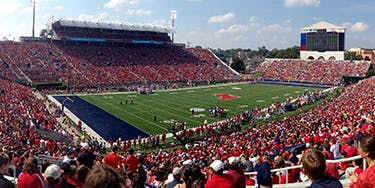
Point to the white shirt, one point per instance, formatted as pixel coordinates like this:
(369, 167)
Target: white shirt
(335, 149)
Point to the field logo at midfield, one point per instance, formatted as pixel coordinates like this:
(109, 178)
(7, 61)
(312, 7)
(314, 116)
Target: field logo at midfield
(224, 96)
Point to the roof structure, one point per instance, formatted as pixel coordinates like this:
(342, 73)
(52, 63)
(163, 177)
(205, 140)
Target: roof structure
(103, 25)
(324, 25)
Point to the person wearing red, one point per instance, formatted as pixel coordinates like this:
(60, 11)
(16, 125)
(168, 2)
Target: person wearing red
(112, 159)
(348, 152)
(219, 179)
(30, 177)
(236, 172)
(132, 161)
(366, 179)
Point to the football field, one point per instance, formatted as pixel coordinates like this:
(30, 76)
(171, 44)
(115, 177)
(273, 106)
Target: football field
(155, 113)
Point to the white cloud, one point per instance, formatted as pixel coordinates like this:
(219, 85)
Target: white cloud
(234, 29)
(221, 18)
(356, 27)
(301, 3)
(113, 4)
(253, 19)
(359, 27)
(138, 12)
(273, 28)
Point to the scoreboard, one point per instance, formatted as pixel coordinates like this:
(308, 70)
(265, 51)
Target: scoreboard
(320, 40)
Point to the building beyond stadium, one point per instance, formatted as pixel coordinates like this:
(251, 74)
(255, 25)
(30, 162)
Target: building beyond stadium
(322, 40)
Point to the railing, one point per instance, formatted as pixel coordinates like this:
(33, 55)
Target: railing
(300, 166)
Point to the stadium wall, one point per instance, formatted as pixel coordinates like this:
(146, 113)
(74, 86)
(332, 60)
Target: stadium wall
(339, 55)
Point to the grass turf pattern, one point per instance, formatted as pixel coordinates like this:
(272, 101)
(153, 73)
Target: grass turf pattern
(174, 105)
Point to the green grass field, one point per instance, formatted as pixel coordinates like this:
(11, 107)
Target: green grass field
(174, 105)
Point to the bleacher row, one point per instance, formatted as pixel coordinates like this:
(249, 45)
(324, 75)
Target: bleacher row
(333, 123)
(91, 65)
(320, 72)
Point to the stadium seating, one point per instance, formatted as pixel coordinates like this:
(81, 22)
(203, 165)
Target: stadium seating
(22, 113)
(99, 65)
(320, 72)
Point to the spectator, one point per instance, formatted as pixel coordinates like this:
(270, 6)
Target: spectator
(187, 179)
(176, 178)
(73, 177)
(219, 179)
(86, 157)
(4, 169)
(247, 164)
(112, 159)
(366, 179)
(82, 173)
(132, 161)
(30, 176)
(314, 163)
(65, 168)
(53, 176)
(264, 173)
(349, 151)
(103, 177)
(236, 172)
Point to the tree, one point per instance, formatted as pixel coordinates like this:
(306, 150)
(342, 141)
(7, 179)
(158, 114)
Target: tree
(238, 64)
(352, 56)
(370, 73)
(289, 53)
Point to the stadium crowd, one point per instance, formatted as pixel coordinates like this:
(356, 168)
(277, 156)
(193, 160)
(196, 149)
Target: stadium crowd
(335, 126)
(311, 71)
(85, 65)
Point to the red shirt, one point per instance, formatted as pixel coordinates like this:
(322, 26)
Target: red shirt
(366, 179)
(26, 180)
(239, 178)
(350, 151)
(358, 171)
(331, 170)
(113, 160)
(132, 162)
(220, 181)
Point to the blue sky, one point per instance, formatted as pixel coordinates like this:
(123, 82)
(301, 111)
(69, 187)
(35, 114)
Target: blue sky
(216, 24)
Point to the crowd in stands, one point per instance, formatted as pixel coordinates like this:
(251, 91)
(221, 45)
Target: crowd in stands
(334, 127)
(37, 60)
(339, 122)
(91, 65)
(326, 72)
(340, 128)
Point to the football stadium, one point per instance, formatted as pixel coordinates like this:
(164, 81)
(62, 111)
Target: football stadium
(98, 104)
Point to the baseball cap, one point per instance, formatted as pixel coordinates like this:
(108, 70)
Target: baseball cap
(85, 145)
(188, 162)
(217, 165)
(53, 171)
(233, 160)
(176, 171)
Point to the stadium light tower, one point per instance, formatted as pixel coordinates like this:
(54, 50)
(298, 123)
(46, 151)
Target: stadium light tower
(173, 18)
(33, 5)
